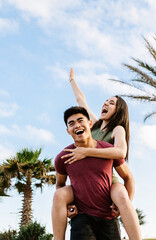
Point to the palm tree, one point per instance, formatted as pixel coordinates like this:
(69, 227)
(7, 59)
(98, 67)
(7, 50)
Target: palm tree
(3, 184)
(145, 77)
(141, 217)
(25, 172)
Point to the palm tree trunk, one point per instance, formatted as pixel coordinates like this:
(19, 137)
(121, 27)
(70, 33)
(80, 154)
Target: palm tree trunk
(27, 201)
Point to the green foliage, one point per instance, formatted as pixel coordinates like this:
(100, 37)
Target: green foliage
(141, 217)
(8, 235)
(27, 172)
(34, 231)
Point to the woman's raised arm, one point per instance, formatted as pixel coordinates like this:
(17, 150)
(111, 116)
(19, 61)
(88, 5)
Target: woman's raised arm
(80, 98)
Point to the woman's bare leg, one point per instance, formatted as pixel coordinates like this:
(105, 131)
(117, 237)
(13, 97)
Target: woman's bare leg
(62, 197)
(128, 214)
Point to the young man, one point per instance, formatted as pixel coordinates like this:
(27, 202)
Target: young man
(91, 180)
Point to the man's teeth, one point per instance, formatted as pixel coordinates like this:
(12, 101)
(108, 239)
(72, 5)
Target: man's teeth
(79, 132)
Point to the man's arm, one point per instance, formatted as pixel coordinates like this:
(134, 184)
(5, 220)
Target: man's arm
(125, 173)
(60, 180)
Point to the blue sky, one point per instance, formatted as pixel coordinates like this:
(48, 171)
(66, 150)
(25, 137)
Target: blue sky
(39, 42)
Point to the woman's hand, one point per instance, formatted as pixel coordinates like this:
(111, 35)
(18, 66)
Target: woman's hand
(115, 210)
(71, 77)
(71, 211)
(75, 154)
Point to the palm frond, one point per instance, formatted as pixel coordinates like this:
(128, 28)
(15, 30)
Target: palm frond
(20, 187)
(150, 48)
(146, 66)
(141, 98)
(127, 84)
(144, 77)
(28, 156)
(138, 87)
(149, 115)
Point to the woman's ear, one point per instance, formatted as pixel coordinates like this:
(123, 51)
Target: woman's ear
(90, 124)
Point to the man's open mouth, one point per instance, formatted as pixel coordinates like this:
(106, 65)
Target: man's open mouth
(78, 132)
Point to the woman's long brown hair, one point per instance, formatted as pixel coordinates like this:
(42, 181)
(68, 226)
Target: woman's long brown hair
(120, 117)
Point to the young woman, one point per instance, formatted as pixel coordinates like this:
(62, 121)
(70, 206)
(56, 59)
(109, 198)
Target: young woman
(113, 127)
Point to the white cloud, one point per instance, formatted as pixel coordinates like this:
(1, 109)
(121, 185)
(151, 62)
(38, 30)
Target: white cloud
(144, 135)
(8, 109)
(44, 117)
(58, 72)
(152, 4)
(31, 133)
(4, 130)
(7, 25)
(44, 11)
(86, 65)
(4, 93)
(38, 134)
(91, 73)
(92, 28)
(35, 8)
(5, 152)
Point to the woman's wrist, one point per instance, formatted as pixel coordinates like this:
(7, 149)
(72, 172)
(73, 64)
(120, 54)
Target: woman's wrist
(71, 79)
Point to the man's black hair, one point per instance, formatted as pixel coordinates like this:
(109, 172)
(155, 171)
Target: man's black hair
(74, 110)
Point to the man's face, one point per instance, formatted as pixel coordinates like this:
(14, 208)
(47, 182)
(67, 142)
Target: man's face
(78, 126)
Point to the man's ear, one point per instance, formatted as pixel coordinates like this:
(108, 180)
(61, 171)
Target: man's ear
(67, 131)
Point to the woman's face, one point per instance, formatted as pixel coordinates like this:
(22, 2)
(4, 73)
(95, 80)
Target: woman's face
(108, 109)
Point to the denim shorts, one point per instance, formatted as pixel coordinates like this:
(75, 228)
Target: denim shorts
(86, 227)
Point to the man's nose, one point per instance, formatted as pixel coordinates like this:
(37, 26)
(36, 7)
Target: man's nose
(77, 124)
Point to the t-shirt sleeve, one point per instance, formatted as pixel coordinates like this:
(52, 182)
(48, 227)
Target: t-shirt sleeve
(118, 162)
(59, 165)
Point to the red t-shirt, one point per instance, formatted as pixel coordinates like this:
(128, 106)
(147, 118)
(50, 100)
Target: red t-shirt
(91, 179)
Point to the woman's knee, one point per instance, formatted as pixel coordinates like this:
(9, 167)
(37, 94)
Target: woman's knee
(119, 194)
(63, 195)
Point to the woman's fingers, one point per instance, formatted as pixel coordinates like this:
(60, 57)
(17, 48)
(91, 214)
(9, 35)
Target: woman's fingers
(71, 211)
(71, 160)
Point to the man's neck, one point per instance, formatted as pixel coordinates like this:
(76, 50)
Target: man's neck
(88, 143)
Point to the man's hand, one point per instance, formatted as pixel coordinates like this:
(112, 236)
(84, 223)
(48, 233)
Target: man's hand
(115, 210)
(71, 211)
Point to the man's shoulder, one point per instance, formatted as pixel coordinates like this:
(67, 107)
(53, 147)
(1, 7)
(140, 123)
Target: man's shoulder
(60, 154)
(102, 144)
